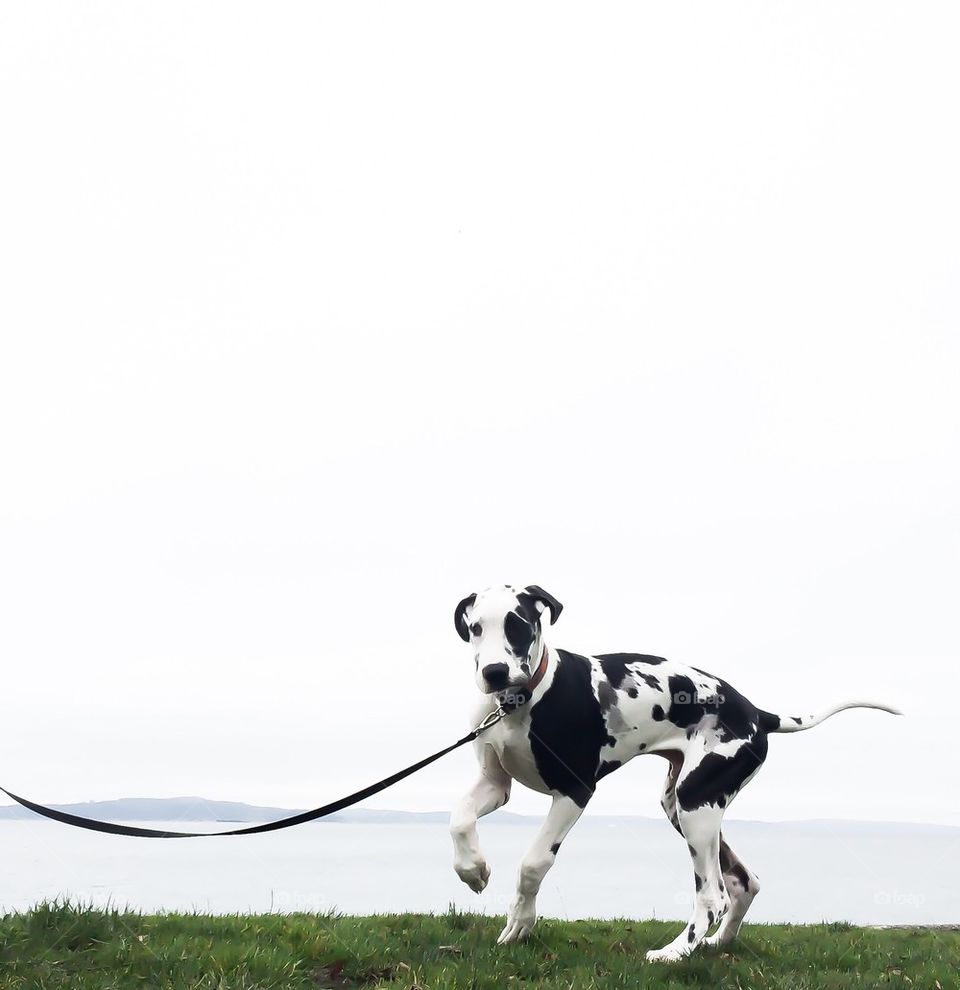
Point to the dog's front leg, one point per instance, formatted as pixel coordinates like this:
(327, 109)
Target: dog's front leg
(491, 791)
(522, 916)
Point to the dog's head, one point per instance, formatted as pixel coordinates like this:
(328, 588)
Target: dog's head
(503, 627)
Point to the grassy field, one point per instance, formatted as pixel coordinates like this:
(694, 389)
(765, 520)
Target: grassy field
(58, 946)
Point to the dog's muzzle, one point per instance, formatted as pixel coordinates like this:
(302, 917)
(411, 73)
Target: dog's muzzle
(497, 676)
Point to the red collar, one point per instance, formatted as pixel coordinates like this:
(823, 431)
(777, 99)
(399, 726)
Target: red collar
(510, 701)
(538, 673)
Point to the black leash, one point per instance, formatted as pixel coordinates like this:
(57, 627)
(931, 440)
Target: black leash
(306, 816)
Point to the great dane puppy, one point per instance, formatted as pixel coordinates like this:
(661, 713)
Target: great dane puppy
(573, 719)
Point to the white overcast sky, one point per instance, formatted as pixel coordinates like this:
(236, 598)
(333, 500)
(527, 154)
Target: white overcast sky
(317, 317)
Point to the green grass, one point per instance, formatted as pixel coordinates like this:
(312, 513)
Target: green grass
(60, 946)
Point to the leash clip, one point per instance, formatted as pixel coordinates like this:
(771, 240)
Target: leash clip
(491, 718)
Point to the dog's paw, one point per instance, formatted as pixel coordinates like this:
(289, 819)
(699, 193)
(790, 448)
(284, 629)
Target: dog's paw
(520, 922)
(666, 954)
(475, 874)
(717, 940)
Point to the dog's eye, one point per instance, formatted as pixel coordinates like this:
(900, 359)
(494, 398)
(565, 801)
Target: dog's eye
(475, 629)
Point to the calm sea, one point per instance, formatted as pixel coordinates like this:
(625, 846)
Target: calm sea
(866, 875)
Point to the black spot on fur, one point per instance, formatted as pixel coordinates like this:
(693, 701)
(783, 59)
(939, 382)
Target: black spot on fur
(685, 707)
(651, 680)
(736, 717)
(716, 778)
(691, 933)
(768, 722)
(698, 881)
(632, 692)
(567, 730)
(555, 848)
(614, 668)
(615, 664)
(799, 721)
(519, 633)
(657, 713)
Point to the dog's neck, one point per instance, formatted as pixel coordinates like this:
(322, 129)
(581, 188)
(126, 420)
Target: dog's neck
(512, 700)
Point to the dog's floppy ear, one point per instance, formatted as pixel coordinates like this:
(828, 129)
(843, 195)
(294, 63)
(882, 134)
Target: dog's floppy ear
(548, 601)
(459, 619)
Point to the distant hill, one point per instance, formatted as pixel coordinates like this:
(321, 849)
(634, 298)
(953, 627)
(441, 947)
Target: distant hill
(198, 809)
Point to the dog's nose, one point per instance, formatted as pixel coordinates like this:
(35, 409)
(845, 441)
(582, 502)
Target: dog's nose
(495, 674)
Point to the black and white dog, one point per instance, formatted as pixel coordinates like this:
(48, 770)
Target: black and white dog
(574, 719)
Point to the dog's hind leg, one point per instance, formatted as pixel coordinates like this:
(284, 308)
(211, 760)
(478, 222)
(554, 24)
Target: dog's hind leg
(668, 800)
(701, 829)
(742, 886)
(708, 781)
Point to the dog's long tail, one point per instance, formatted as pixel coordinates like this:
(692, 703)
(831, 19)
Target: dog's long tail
(797, 723)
